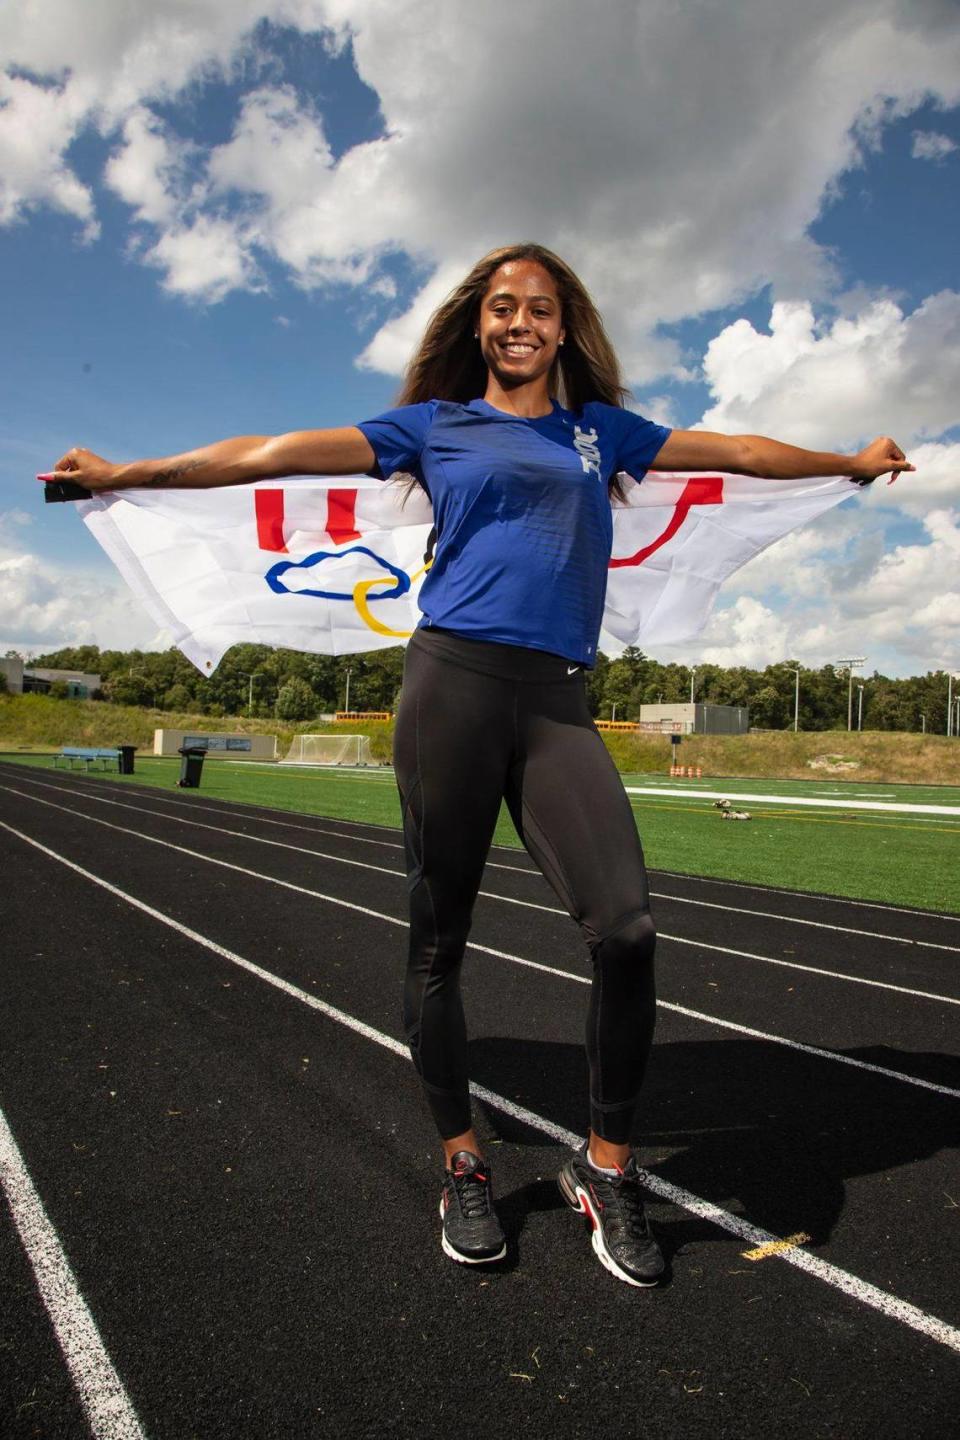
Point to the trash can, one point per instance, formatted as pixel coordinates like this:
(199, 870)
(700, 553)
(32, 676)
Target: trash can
(191, 766)
(125, 760)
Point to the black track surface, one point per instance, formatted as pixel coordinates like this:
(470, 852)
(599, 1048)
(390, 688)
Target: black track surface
(247, 1190)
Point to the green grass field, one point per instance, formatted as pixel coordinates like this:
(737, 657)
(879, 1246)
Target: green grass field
(892, 858)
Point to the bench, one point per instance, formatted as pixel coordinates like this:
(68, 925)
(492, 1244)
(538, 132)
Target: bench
(76, 755)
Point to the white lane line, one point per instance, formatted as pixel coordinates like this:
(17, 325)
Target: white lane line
(898, 808)
(833, 1055)
(811, 969)
(813, 895)
(105, 1402)
(798, 920)
(487, 894)
(860, 1290)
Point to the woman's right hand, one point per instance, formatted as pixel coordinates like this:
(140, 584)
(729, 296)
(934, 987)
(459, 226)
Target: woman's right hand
(86, 469)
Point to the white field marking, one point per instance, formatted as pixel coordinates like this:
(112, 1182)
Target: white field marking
(861, 1290)
(797, 920)
(512, 959)
(107, 1406)
(814, 1050)
(898, 808)
(260, 820)
(811, 969)
(813, 895)
(549, 909)
(556, 910)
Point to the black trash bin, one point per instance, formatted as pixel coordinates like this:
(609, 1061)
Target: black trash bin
(125, 760)
(191, 766)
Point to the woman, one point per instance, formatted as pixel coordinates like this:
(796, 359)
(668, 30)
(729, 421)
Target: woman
(511, 418)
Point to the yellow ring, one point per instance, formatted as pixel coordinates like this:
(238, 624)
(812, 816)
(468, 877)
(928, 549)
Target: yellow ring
(360, 592)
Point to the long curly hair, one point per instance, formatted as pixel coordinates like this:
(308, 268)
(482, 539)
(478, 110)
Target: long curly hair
(448, 364)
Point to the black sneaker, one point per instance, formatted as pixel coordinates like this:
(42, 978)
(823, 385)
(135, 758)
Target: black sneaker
(471, 1230)
(621, 1235)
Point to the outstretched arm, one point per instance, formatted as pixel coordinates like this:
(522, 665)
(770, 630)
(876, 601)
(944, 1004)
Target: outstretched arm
(229, 462)
(756, 455)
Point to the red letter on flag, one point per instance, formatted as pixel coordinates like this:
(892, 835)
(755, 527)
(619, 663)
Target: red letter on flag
(703, 490)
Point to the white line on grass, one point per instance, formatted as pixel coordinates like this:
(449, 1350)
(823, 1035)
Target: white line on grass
(550, 909)
(898, 808)
(833, 1055)
(851, 1285)
(106, 1404)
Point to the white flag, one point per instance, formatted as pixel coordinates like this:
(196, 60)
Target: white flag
(334, 566)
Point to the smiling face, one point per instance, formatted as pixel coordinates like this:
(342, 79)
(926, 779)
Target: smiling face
(520, 324)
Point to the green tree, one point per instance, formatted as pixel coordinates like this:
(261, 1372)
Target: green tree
(178, 697)
(767, 708)
(295, 700)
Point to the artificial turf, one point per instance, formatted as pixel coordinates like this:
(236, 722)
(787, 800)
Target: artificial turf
(895, 859)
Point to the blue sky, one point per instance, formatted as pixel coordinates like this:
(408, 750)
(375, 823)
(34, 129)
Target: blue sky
(223, 219)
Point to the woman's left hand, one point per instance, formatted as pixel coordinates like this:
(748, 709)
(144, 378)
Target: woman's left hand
(881, 456)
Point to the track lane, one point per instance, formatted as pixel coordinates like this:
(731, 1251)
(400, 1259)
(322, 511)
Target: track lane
(515, 1011)
(790, 1003)
(222, 1317)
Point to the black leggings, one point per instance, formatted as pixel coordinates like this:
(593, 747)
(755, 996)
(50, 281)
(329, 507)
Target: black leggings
(478, 723)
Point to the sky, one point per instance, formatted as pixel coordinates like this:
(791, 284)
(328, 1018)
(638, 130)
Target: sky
(225, 217)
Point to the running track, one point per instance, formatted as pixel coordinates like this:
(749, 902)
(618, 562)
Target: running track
(221, 1179)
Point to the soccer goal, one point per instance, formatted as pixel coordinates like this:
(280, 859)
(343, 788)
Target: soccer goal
(329, 750)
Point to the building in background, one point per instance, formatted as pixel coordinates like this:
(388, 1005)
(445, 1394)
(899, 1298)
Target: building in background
(685, 719)
(25, 679)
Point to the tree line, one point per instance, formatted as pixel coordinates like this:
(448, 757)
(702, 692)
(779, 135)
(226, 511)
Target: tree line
(291, 686)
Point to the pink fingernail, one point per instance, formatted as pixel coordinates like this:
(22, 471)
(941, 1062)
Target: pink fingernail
(50, 475)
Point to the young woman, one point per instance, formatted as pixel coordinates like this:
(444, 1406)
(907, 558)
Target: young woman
(512, 419)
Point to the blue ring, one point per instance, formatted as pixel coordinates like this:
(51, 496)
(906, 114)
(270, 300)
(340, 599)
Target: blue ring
(273, 575)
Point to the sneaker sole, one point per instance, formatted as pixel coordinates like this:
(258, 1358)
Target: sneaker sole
(579, 1200)
(461, 1259)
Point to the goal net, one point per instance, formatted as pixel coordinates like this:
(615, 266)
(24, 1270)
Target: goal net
(329, 750)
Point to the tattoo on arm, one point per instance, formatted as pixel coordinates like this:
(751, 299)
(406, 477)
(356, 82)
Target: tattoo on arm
(173, 473)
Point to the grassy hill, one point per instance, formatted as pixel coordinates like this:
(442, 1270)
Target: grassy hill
(41, 723)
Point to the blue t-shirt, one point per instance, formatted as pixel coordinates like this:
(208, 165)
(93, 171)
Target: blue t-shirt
(524, 529)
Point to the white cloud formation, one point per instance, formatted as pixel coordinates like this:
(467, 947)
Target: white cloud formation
(646, 145)
(931, 145)
(46, 605)
(836, 386)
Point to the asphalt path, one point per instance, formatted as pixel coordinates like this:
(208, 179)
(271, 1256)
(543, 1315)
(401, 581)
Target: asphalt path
(214, 1118)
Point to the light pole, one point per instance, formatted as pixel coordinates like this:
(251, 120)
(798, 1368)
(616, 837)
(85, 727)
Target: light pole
(923, 723)
(346, 702)
(860, 708)
(693, 676)
(613, 713)
(796, 694)
(856, 661)
(250, 676)
(951, 728)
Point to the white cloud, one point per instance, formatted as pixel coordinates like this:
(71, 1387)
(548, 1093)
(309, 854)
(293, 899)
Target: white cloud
(205, 259)
(931, 145)
(647, 146)
(37, 125)
(147, 172)
(879, 372)
(46, 605)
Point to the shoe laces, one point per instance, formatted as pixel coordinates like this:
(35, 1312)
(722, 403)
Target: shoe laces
(470, 1184)
(623, 1194)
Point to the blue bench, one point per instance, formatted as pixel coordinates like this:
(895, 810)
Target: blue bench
(77, 755)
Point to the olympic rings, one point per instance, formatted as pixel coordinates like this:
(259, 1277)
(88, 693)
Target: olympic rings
(398, 580)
